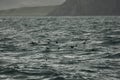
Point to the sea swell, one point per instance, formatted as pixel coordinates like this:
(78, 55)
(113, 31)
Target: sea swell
(59, 48)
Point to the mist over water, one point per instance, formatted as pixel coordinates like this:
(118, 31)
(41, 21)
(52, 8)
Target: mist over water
(59, 48)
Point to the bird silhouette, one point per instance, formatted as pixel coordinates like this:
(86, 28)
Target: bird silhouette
(33, 43)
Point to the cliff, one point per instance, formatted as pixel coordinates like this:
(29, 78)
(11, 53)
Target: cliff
(87, 7)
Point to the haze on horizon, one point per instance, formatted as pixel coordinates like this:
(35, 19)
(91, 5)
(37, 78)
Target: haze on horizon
(9, 4)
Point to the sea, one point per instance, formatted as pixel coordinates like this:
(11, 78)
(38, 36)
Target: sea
(60, 48)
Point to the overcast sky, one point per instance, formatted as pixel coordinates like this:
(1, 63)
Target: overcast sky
(8, 4)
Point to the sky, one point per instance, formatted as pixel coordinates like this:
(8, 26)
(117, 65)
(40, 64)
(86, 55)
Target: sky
(9, 4)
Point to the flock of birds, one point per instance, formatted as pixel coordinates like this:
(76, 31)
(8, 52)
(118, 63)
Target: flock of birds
(48, 48)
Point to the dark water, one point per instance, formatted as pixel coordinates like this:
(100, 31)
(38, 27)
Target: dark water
(60, 48)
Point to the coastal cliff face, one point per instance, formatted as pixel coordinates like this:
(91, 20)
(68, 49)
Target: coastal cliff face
(87, 7)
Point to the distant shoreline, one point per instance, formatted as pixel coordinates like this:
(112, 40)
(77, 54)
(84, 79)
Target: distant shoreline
(28, 11)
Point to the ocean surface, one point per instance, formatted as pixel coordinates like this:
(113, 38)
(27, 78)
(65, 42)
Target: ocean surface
(60, 48)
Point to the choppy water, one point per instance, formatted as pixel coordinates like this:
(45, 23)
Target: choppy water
(60, 48)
